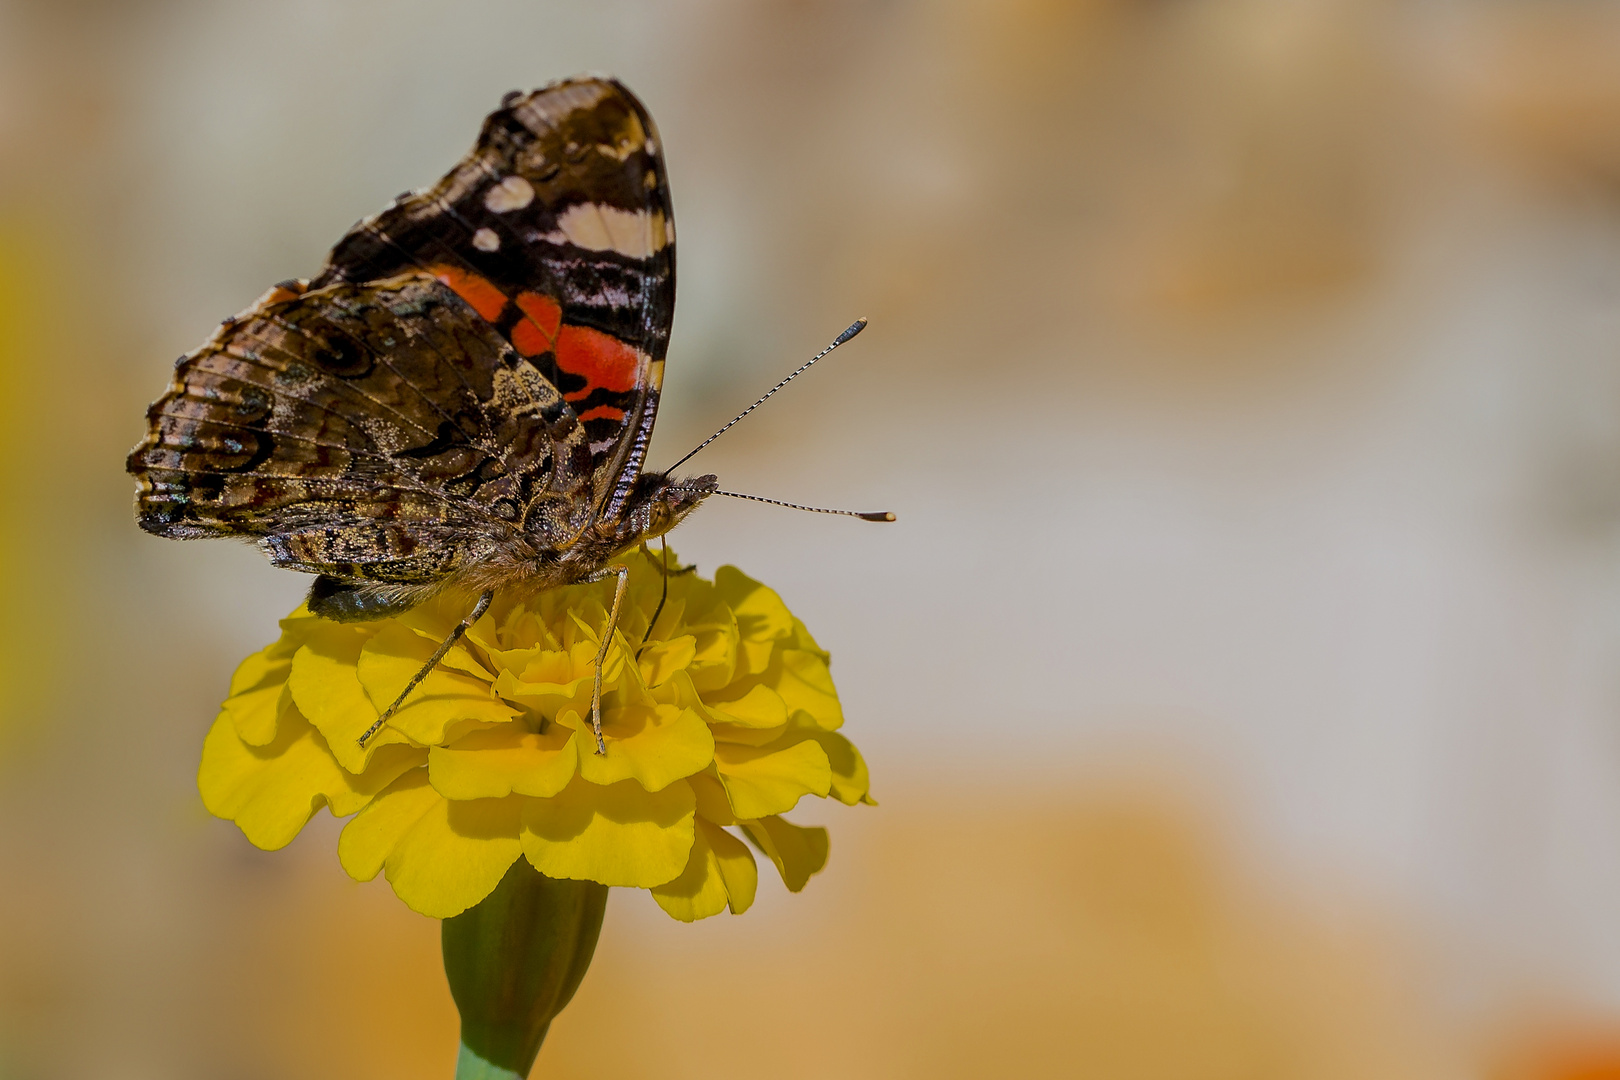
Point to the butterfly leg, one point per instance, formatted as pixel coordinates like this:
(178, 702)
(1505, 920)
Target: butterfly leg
(433, 662)
(623, 573)
(663, 595)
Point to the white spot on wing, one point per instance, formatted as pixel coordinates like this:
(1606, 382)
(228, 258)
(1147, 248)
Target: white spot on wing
(512, 193)
(486, 240)
(545, 109)
(634, 233)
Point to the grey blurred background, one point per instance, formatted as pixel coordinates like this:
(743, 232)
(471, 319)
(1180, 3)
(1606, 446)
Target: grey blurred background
(1240, 681)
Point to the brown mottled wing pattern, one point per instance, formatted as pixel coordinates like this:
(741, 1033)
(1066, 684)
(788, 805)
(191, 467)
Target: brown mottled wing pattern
(557, 229)
(369, 431)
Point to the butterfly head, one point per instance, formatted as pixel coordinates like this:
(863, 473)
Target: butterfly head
(658, 503)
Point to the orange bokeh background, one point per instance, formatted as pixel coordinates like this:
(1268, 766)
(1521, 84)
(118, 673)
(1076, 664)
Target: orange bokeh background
(1238, 682)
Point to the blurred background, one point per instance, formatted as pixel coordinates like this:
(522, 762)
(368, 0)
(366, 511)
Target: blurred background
(1241, 683)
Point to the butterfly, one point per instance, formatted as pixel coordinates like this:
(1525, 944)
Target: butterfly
(464, 395)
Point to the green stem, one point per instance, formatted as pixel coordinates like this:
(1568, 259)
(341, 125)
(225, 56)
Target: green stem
(513, 962)
(469, 1066)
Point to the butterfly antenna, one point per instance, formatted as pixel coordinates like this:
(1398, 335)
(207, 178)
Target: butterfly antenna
(854, 328)
(874, 515)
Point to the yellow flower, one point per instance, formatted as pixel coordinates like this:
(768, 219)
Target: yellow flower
(724, 719)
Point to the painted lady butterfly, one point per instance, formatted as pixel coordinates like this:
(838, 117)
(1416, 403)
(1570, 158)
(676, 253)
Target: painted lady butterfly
(464, 395)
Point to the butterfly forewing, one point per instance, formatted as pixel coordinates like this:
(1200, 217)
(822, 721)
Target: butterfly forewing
(557, 230)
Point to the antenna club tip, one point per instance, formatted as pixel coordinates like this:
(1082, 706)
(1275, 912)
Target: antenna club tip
(854, 328)
(881, 515)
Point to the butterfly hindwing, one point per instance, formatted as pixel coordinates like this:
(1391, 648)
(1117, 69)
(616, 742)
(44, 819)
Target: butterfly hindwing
(373, 431)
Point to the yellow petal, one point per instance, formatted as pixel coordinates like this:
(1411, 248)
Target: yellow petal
(761, 615)
(761, 707)
(256, 690)
(553, 681)
(801, 639)
(510, 660)
(543, 698)
(749, 736)
(502, 761)
(711, 797)
(719, 872)
(618, 835)
(761, 781)
(737, 867)
(520, 630)
(258, 685)
(699, 891)
(714, 663)
(762, 618)
(272, 791)
(850, 780)
(555, 671)
(386, 765)
(671, 621)
(806, 685)
(441, 857)
(584, 618)
(434, 621)
(797, 852)
(367, 840)
(446, 704)
(327, 690)
(661, 659)
(655, 745)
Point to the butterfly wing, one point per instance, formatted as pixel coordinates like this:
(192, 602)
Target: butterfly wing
(469, 383)
(557, 229)
(372, 432)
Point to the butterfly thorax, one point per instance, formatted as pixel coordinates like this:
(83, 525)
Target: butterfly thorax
(530, 563)
(524, 565)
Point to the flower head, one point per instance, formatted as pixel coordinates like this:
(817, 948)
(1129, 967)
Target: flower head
(725, 716)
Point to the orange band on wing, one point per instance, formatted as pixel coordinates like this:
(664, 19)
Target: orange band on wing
(602, 412)
(485, 298)
(604, 361)
(279, 293)
(537, 333)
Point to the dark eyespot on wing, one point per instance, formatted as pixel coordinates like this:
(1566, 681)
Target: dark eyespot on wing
(342, 357)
